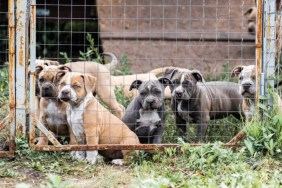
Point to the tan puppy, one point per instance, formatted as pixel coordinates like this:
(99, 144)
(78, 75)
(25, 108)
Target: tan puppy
(45, 62)
(251, 14)
(125, 81)
(247, 81)
(90, 122)
(52, 111)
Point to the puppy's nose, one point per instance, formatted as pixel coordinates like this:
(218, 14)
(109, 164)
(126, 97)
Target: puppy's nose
(178, 94)
(46, 88)
(246, 86)
(65, 92)
(150, 101)
(251, 30)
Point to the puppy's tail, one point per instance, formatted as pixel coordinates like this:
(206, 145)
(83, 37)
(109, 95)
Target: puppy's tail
(158, 71)
(110, 66)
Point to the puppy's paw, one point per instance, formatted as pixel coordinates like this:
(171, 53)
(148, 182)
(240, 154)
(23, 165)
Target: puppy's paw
(92, 157)
(118, 162)
(78, 155)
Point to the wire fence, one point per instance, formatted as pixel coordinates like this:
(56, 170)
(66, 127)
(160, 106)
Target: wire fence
(151, 40)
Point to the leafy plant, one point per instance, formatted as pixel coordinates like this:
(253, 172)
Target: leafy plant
(65, 56)
(92, 53)
(4, 82)
(264, 135)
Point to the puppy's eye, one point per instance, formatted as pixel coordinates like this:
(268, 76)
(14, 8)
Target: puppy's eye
(41, 80)
(175, 81)
(241, 78)
(158, 92)
(254, 77)
(142, 93)
(75, 86)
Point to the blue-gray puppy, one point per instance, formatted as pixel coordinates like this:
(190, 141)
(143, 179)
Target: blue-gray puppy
(149, 128)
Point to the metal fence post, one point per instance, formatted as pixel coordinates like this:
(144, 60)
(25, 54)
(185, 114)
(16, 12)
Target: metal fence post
(269, 48)
(33, 104)
(21, 68)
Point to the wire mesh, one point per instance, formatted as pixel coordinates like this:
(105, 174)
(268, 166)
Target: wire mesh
(4, 89)
(210, 36)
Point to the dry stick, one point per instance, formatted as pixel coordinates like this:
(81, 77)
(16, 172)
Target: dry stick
(239, 136)
(47, 133)
(4, 122)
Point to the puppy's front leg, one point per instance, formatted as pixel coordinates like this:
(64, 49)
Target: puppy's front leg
(158, 136)
(202, 125)
(92, 138)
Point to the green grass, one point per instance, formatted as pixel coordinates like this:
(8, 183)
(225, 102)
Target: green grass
(209, 165)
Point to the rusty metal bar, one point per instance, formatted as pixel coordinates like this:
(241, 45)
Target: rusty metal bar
(21, 61)
(11, 119)
(117, 147)
(33, 105)
(259, 35)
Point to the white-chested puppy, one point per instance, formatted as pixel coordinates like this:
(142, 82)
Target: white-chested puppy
(89, 121)
(247, 81)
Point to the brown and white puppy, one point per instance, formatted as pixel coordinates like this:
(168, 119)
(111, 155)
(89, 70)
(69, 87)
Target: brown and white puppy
(196, 101)
(89, 121)
(52, 112)
(247, 82)
(103, 88)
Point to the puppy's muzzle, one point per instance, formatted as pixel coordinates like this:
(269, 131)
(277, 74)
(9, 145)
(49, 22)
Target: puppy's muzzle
(246, 86)
(146, 130)
(47, 90)
(65, 95)
(178, 94)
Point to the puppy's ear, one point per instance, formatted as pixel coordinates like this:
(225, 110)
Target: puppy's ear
(38, 69)
(249, 11)
(165, 82)
(197, 75)
(236, 71)
(60, 74)
(135, 84)
(64, 68)
(89, 82)
(169, 72)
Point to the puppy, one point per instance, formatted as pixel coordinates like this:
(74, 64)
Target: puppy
(251, 14)
(42, 62)
(89, 121)
(150, 100)
(103, 88)
(52, 111)
(247, 82)
(196, 101)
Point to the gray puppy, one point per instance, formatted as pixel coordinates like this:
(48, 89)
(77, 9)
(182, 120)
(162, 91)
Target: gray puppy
(196, 101)
(150, 103)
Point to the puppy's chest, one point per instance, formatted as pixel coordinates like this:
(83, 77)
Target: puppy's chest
(185, 112)
(75, 120)
(54, 115)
